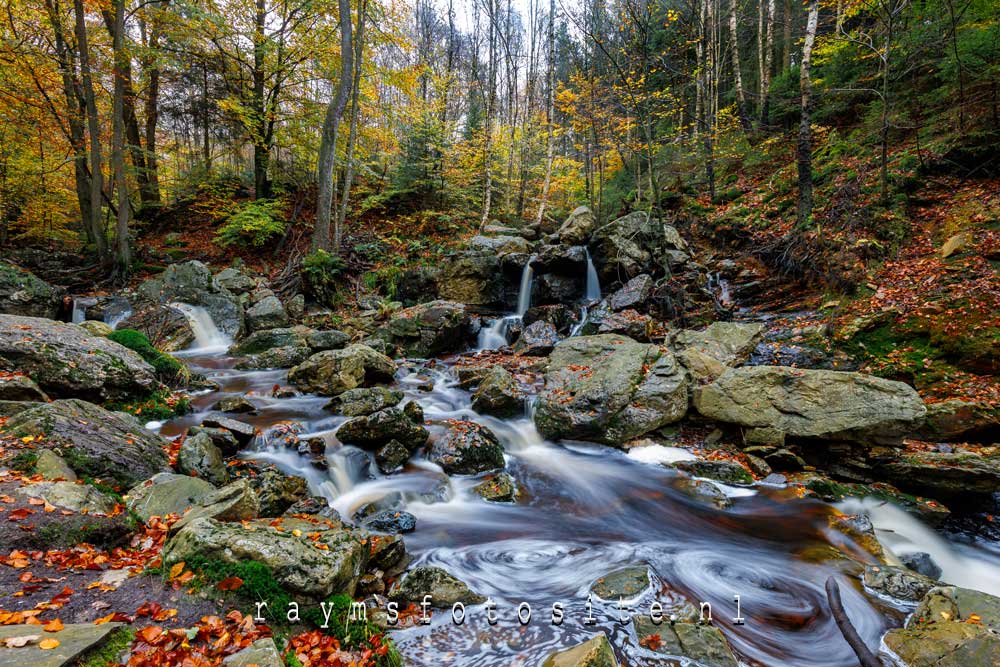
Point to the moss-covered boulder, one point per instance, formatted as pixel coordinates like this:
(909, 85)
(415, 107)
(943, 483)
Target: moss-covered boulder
(24, 293)
(595, 652)
(333, 372)
(498, 394)
(444, 588)
(166, 493)
(94, 442)
(379, 428)
(428, 329)
(467, 448)
(364, 401)
(67, 362)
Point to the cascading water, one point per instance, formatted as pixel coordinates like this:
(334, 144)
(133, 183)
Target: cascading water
(592, 294)
(495, 336)
(80, 305)
(207, 336)
(117, 311)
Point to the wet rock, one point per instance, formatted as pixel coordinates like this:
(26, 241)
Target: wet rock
(565, 260)
(21, 388)
(703, 491)
(729, 343)
(68, 495)
(268, 313)
(953, 476)
(498, 394)
(23, 293)
(166, 326)
(556, 288)
(377, 429)
(66, 362)
(331, 339)
(467, 448)
(595, 652)
(499, 488)
(276, 491)
(392, 456)
(316, 506)
(784, 460)
(828, 405)
(627, 583)
(278, 357)
(609, 389)
(727, 472)
(230, 438)
(262, 653)
(556, 314)
(428, 329)
(76, 641)
(959, 420)
(413, 410)
(418, 284)
(473, 278)
(629, 323)
(333, 372)
(897, 582)
(921, 563)
(577, 228)
(200, 457)
(391, 521)
(701, 643)
(235, 405)
(364, 401)
(267, 339)
(702, 368)
(52, 466)
(191, 282)
(235, 502)
(166, 493)
(235, 280)
(444, 589)
(633, 294)
(537, 340)
(94, 442)
(298, 566)
(759, 466)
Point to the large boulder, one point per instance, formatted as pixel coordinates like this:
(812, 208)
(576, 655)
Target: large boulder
(268, 339)
(595, 652)
(609, 389)
(500, 245)
(961, 420)
(428, 329)
(192, 283)
(166, 493)
(467, 448)
(66, 361)
(379, 428)
(23, 293)
(828, 405)
(634, 294)
(634, 244)
(364, 401)
(199, 457)
(578, 226)
(96, 443)
(957, 476)
(473, 278)
(268, 313)
(313, 569)
(537, 339)
(21, 388)
(730, 343)
(498, 394)
(235, 280)
(333, 372)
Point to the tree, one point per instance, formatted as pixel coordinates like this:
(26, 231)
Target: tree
(94, 130)
(123, 255)
(804, 145)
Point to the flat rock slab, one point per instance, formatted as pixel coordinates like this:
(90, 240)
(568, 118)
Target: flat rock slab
(74, 640)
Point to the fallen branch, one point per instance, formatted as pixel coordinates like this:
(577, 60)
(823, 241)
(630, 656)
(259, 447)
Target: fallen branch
(865, 656)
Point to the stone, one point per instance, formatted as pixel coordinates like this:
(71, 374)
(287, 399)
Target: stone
(52, 466)
(428, 329)
(501, 245)
(235, 280)
(473, 278)
(498, 488)
(954, 244)
(296, 562)
(199, 457)
(96, 328)
(278, 357)
(24, 293)
(444, 589)
(235, 405)
(76, 640)
(268, 313)
(635, 243)
(166, 326)
(235, 502)
(558, 315)
(498, 394)
(727, 472)
(67, 362)
(960, 420)
(166, 493)
(921, 563)
(897, 582)
(702, 643)
(320, 341)
(609, 389)
(537, 340)
(703, 491)
(945, 476)
(702, 368)
(267, 339)
(364, 401)
(191, 283)
(94, 442)
(467, 448)
(276, 491)
(634, 293)
(68, 495)
(577, 228)
(626, 583)
(392, 456)
(629, 323)
(829, 405)
(296, 307)
(377, 429)
(241, 432)
(595, 652)
(391, 521)
(784, 460)
(418, 284)
(729, 343)
(21, 388)
(262, 653)
(333, 372)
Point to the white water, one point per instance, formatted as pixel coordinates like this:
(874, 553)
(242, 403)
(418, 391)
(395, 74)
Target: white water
(903, 534)
(593, 291)
(80, 306)
(117, 312)
(495, 336)
(207, 337)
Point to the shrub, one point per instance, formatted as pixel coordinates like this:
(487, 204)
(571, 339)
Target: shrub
(320, 271)
(254, 225)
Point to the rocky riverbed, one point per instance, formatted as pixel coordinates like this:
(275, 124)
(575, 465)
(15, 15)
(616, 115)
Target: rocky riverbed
(519, 441)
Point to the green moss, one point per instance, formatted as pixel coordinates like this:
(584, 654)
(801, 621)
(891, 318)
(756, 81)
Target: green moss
(159, 405)
(23, 461)
(110, 651)
(166, 367)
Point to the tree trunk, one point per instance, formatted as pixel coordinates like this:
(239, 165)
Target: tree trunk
(352, 133)
(328, 142)
(804, 147)
(765, 62)
(261, 147)
(550, 109)
(741, 100)
(786, 34)
(94, 130)
(123, 254)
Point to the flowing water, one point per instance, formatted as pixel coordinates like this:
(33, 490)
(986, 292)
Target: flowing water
(494, 336)
(585, 510)
(208, 338)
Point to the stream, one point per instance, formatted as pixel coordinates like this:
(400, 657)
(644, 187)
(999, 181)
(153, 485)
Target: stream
(586, 510)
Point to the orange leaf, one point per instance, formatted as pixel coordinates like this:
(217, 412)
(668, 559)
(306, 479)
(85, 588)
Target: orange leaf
(54, 625)
(47, 644)
(230, 584)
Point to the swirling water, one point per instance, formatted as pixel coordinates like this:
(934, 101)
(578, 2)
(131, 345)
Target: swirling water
(584, 511)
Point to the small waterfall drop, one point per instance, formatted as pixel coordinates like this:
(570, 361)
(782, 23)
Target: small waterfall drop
(593, 291)
(207, 336)
(117, 312)
(495, 336)
(80, 305)
(524, 292)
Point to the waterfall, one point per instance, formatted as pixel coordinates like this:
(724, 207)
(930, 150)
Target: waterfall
(593, 293)
(719, 287)
(117, 312)
(80, 306)
(495, 336)
(207, 336)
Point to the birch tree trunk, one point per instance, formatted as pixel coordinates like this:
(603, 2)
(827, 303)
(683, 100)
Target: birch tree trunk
(550, 108)
(94, 130)
(766, 58)
(804, 147)
(741, 99)
(352, 133)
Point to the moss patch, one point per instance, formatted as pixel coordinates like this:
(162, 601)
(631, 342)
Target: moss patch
(110, 651)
